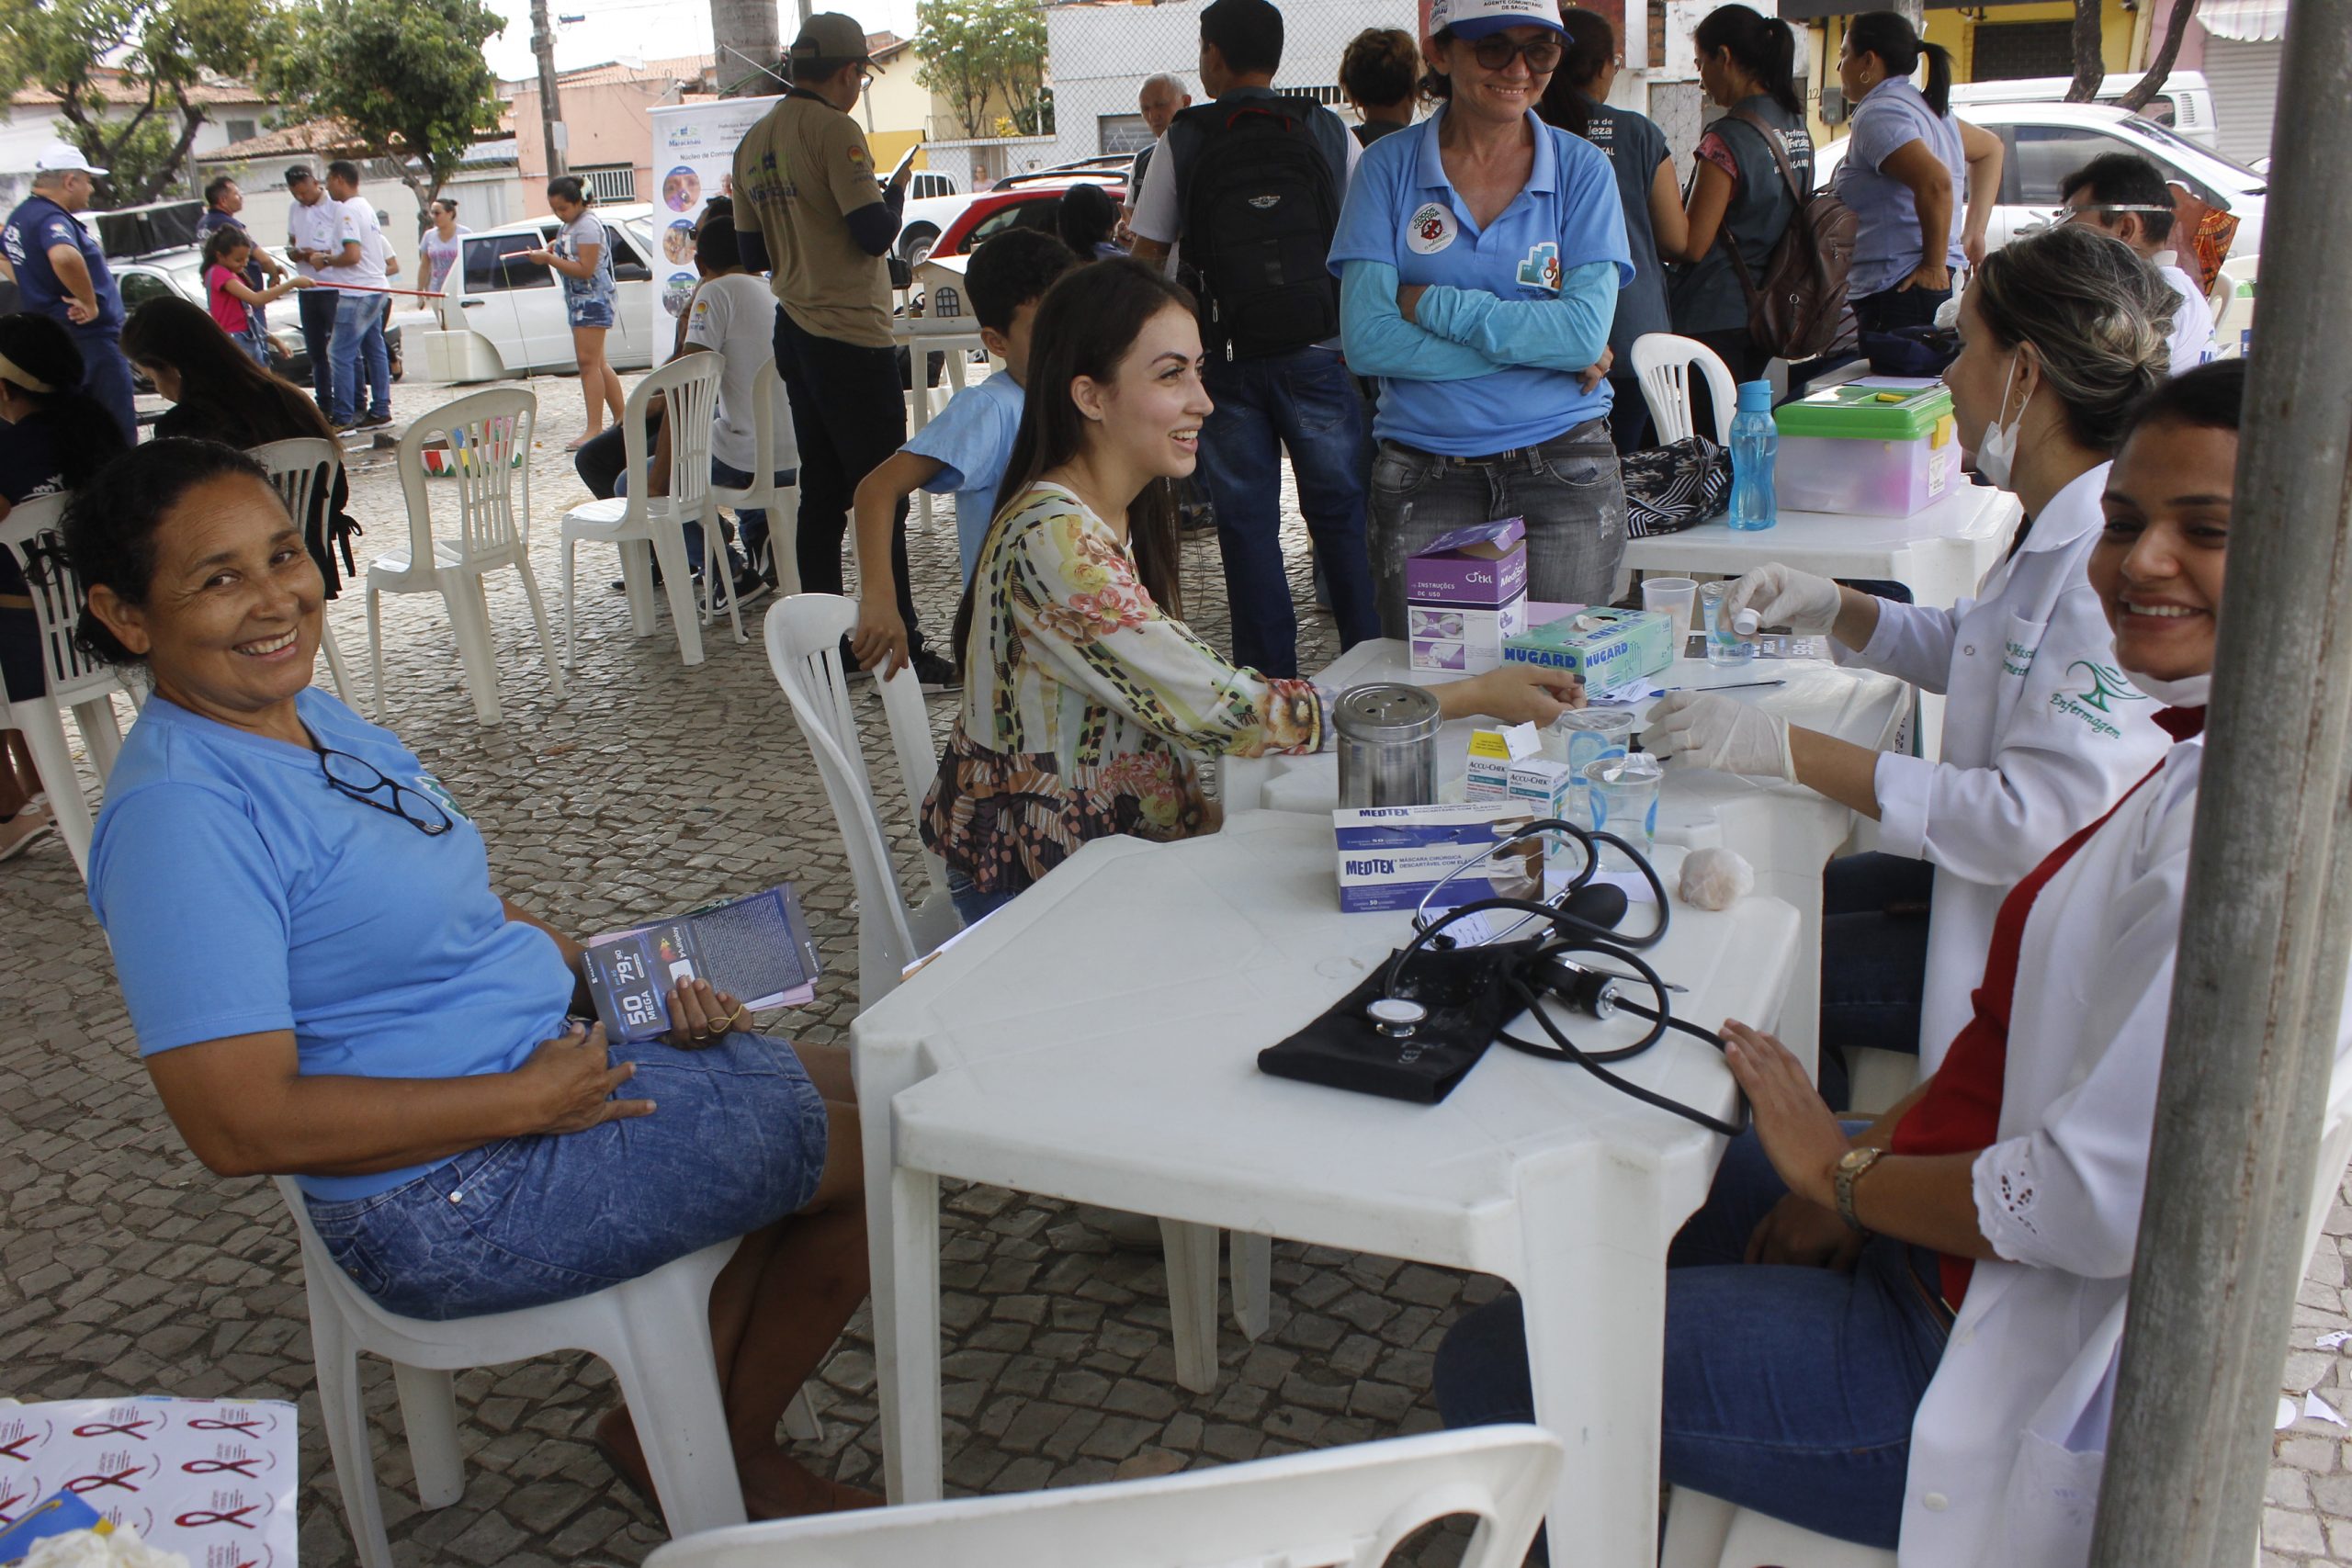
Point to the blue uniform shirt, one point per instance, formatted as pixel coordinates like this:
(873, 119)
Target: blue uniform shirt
(242, 894)
(1513, 293)
(972, 440)
(38, 224)
(1890, 118)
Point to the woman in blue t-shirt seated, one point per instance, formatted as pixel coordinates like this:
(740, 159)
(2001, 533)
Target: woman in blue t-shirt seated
(1479, 256)
(325, 986)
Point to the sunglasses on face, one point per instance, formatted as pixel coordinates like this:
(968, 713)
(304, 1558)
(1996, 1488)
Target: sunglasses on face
(1496, 50)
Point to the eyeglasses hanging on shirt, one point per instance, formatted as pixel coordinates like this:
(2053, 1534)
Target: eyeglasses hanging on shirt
(362, 781)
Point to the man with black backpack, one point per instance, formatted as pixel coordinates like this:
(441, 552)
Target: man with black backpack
(1251, 185)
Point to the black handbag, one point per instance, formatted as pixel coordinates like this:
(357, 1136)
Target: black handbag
(1668, 489)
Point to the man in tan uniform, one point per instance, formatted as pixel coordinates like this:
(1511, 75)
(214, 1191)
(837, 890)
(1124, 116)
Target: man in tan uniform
(808, 207)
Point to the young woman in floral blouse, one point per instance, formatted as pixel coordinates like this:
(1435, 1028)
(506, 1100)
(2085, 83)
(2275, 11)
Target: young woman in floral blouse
(1085, 697)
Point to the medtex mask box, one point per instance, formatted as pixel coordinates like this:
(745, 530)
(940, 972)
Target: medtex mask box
(1465, 592)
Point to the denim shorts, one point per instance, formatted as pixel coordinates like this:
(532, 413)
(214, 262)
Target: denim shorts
(589, 312)
(738, 1142)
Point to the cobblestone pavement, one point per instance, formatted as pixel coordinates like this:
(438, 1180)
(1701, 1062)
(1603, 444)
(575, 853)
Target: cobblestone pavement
(125, 1267)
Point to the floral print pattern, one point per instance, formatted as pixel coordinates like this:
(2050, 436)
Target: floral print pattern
(1085, 705)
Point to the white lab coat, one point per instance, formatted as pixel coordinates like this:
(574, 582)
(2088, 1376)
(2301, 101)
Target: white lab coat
(2042, 732)
(2192, 319)
(2009, 1440)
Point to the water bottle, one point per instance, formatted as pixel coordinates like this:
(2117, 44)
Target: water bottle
(1754, 441)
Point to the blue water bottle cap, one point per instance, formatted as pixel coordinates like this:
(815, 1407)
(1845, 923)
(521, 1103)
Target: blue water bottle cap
(1755, 397)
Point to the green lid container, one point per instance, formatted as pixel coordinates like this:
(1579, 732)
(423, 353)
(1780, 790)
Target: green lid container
(1859, 410)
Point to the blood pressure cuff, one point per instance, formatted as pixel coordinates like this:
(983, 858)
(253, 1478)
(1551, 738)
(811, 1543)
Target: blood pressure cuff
(1467, 998)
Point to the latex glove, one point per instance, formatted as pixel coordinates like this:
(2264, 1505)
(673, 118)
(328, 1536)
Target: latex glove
(1784, 596)
(1707, 729)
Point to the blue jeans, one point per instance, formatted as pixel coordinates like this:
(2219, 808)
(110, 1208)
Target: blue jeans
(1306, 401)
(1874, 959)
(1789, 1391)
(316, 308)
(256, 344)
(106, 376)
(972, 905)
(359, 331)
(738, 1144)
(752, 521)
(1568, 491)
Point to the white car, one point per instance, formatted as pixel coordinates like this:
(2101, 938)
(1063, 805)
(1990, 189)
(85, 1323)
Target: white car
(2043, 143)
(515, 308)
(2185, 102)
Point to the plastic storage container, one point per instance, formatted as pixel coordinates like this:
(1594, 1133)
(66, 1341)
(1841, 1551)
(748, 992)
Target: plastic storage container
(1875, 445)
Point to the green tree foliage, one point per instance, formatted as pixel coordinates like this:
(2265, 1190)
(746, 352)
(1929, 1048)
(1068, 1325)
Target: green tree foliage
(987, 58)
(125, 73)
(407, 76)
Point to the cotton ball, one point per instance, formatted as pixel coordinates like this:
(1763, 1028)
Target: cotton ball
(1715, 879)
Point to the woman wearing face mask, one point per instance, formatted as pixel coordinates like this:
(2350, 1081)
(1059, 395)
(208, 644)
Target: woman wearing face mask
(1905, 1334)
(1086, 699)
(2061, 333)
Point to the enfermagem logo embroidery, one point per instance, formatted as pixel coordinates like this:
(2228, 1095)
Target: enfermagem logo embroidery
(2091, 706)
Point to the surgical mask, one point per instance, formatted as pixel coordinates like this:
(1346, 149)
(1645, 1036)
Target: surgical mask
(2188, 692)
(1996, 452)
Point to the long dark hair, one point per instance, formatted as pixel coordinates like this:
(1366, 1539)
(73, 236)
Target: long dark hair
(1585, 52)
(226, 238)
(1086, 326)
(1762, 46)
(44, 351)
(1889, 35)
(236, 400)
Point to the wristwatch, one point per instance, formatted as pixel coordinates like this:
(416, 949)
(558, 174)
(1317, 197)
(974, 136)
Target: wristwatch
(1845, 1173)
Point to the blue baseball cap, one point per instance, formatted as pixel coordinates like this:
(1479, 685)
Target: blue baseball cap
(1472, 19)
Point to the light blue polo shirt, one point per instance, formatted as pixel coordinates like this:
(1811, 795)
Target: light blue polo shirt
(972, 440)
(1891, 117)
(242, 893)
(1404, 212)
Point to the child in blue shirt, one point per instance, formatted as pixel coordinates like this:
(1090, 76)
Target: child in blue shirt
(966, 448)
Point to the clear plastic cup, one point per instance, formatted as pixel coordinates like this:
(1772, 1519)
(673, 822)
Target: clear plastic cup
(1724, 645)
(1623, 794)
(1673, 596)
(1583, 736)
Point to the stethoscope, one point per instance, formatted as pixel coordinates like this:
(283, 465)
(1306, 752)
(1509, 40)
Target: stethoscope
(1554, 960)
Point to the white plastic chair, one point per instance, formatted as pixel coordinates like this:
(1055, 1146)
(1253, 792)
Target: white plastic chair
(1662, 363)
(636, 522)
(804, 635)
(770, 411)
(303, 471)
(654, 1332)
(1350, 1508)
(489, 438)
(75, 679)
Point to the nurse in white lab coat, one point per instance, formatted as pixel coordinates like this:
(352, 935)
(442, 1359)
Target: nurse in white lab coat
(2061, 334)
(1815, 1369)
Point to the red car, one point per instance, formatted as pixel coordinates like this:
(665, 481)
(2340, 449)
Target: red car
(1028, 201)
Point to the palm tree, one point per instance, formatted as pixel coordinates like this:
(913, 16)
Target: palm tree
(745, 38)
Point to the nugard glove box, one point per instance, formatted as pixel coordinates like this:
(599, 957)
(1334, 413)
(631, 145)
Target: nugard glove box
(1607, 648)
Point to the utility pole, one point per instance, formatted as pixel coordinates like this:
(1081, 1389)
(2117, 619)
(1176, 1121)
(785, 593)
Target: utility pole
(2259, 983)
(551, 111)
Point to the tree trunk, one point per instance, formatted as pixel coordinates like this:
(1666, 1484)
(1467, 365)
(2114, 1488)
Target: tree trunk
(2151, 81)
(2090, 62)
(745, 38)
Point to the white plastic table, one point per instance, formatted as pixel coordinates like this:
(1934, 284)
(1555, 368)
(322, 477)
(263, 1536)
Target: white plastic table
(1940, 553)
(1096, 1040)
(1786, 832)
